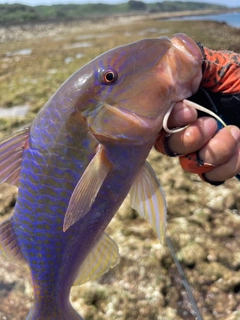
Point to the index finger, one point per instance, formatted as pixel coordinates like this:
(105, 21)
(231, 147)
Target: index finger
(181, 115)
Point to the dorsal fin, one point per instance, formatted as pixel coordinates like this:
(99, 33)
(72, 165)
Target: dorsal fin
(9, 247)
(103, 257)
(11, 150)
(147, 198)
(87, 188)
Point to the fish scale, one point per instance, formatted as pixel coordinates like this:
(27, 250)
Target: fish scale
(46, 253)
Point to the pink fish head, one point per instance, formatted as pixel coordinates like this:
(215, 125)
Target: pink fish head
(129, 89)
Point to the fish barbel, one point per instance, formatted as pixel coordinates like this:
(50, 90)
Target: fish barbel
(81, 156)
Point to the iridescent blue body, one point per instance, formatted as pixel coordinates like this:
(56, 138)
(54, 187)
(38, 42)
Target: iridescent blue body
(54, 256)
(47, 181)
(78, 161)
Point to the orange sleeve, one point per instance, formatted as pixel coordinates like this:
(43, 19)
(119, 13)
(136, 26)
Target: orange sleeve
(221, 71)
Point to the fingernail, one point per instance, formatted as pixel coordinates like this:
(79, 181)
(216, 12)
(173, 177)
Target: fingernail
(235, 132)
(210, 126)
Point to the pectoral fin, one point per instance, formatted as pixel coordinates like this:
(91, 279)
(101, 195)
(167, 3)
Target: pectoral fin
(147, 198)
(87, 188)
(9, 247)
(11, 149)
(103, 257)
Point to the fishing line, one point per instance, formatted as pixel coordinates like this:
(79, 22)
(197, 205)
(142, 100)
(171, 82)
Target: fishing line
(184, 280)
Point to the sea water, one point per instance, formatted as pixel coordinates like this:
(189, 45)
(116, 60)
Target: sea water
(231, 18)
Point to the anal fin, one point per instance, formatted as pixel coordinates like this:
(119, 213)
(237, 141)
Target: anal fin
(9, 246)
(103, 257)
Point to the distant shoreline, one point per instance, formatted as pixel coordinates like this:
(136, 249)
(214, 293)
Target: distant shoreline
(179, 14)
(132, 16)
(38, 29)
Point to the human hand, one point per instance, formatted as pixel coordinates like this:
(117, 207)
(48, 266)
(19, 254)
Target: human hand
(221, 149)
(214, 155)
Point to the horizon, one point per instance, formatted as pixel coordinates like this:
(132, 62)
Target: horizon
(234, 3)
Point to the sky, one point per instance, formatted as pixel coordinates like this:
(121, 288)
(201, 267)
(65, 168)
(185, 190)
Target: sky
(231, 3)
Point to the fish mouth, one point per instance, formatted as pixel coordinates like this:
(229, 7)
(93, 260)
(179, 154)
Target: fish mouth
(117, 123)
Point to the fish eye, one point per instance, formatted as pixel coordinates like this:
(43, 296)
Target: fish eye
(108, 76)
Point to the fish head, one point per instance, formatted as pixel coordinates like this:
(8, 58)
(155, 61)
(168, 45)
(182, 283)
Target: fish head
(127, 91)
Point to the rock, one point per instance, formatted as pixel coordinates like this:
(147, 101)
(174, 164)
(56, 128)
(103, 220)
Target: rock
(191, 254)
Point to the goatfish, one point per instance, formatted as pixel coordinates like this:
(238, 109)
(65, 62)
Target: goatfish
(81, 156)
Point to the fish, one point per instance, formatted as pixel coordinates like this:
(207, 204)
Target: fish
(84, 152)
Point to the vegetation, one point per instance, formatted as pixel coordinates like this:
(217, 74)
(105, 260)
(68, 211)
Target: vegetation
(18, 13)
